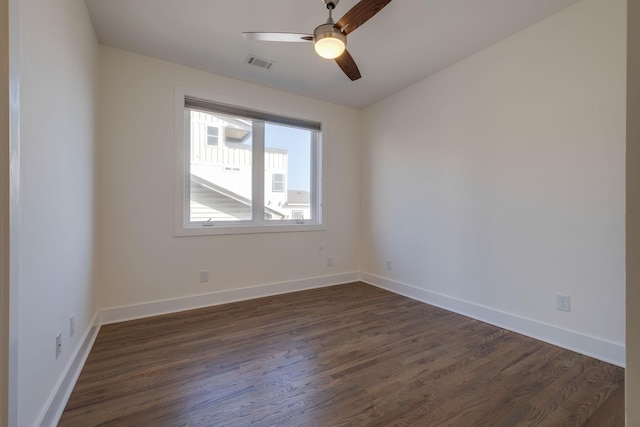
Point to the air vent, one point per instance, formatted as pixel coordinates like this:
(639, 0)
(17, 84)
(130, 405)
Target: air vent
(260, 62)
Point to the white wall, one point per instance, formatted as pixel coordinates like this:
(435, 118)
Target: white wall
(59, 59)
(632, 380)
(499, 181)
(140, 259)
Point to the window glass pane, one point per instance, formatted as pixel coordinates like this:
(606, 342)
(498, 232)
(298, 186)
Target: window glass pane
(287, 169)
(220, 173)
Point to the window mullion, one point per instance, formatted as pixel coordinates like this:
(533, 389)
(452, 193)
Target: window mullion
(257, 172)
(316, 184)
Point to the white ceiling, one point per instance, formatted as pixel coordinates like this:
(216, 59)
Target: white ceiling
(404, 43)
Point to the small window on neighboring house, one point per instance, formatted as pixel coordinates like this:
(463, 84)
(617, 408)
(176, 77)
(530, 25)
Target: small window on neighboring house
(297, 214)
(212, 136)
(278, 182)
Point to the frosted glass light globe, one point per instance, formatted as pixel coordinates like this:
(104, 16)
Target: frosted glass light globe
(329, 41)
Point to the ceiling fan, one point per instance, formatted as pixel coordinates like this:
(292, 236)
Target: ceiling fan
(330, 39)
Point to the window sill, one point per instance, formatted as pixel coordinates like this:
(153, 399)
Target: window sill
(246, 229)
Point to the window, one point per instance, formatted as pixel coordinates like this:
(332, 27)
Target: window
(278, 182)
(212, 136)
(264, 178)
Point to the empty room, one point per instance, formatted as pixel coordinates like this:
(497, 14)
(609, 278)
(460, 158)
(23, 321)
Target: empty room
(320, 212)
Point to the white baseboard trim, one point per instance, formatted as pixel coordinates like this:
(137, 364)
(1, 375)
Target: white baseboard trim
(138, 311)
(52, 412)
(594, 347)
(598, 348)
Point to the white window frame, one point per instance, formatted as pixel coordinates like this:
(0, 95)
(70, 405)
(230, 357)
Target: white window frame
(182, 225)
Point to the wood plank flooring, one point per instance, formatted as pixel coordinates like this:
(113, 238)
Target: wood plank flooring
(348, 355)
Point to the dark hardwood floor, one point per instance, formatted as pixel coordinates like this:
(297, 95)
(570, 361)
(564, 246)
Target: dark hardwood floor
(349, 355)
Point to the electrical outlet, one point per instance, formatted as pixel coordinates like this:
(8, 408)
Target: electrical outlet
(563, 302)
(329, 261)
(388, 265)
(204, 276)
(72, 325)
(58, 344)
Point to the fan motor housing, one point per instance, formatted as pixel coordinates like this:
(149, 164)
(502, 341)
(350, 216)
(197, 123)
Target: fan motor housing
(328, 30)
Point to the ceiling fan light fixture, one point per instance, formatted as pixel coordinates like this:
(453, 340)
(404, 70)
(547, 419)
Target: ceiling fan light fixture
(330, 38)
(329, 42)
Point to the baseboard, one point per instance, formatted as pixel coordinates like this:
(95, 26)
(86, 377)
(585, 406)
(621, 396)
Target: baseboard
(58, 400)
(594, 347)
(138, 311)
(598, 348)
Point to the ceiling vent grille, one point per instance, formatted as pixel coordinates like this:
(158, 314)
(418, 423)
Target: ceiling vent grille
(260, 62)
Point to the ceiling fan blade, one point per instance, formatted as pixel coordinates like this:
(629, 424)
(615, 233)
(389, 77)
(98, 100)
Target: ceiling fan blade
(348, 65)
(278, 37)
(359, 14)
